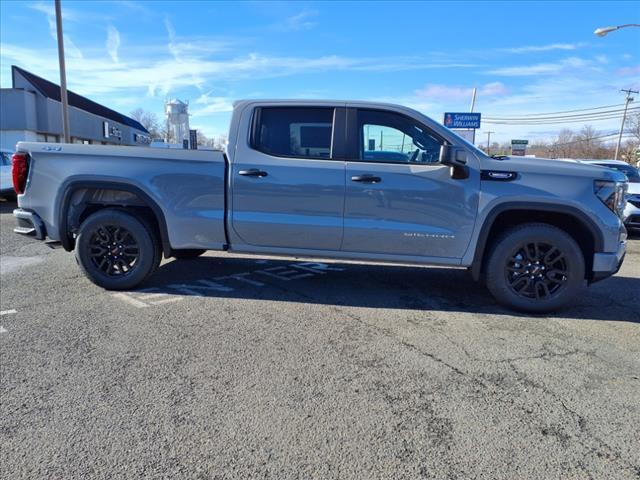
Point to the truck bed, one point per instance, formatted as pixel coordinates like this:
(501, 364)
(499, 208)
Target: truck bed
(188, 186)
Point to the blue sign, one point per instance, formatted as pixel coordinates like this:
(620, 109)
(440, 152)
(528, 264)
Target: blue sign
(462, 120)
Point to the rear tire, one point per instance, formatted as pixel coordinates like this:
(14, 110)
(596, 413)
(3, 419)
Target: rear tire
(117, 250)
(185, 254)
(535, 267)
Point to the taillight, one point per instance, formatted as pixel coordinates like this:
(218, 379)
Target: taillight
(19, 171)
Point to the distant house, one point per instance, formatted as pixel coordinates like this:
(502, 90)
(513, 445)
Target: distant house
(31, 111)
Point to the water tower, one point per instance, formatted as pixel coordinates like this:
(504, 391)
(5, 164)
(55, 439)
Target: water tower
(177, 113)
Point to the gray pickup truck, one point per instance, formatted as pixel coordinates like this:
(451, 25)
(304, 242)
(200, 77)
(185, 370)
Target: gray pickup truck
(344, 180)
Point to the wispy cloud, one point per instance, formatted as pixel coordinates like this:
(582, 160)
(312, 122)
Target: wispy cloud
(67, 15)
(207, 104)
(544, 48)
(571, 63)
(113, 42)
(304, 20)
(49, 10)
(182, 48)
(440, 92)
(198, 68)
(138, 7)
(628, 71)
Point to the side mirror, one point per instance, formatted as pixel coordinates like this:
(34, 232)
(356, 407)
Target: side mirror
(453, 156)
(456, 158)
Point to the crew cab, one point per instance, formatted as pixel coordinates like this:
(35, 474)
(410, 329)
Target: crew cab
(335, 179)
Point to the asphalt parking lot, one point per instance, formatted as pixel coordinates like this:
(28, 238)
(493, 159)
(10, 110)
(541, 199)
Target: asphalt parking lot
(233, 366)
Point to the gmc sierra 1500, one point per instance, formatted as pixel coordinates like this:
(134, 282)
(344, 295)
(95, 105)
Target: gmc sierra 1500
(351, 180)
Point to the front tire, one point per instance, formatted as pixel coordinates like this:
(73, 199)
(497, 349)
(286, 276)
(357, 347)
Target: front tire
(117, 250)
(535, 267)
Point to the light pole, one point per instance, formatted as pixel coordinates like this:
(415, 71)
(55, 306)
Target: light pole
(63, 76)
(602, 31)
(628, 99)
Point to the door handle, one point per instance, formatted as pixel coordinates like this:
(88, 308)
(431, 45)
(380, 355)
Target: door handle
(253, 172)
(366, 178)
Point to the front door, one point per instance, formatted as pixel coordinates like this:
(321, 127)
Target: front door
(287, 189)
(399, 199)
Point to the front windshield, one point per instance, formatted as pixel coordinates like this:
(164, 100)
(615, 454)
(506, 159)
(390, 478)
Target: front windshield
(632, 173)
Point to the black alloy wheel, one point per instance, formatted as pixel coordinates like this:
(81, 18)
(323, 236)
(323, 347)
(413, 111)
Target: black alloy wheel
(114, 250)
(537, 270)
(117, 249)
(535, 267)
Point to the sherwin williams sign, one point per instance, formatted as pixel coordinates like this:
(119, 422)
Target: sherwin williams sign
(461, 120)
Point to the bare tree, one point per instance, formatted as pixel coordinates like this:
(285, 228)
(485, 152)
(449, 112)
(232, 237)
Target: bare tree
(632, 126)
(149, 120)
(220, 142)
(564, 144)
(588, 143)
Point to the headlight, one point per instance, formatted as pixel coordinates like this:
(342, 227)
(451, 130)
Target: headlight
(612, 194)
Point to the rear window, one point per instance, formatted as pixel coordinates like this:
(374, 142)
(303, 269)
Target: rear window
(294, 132)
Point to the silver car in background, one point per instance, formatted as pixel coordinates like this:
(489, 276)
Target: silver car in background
(6, 182)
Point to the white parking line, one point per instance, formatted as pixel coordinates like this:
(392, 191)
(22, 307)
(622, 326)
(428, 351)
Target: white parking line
(130, 300)
(149, 296)
(240, 278)
(8, 312)
(166, 300)
(215, 286)
(200, 288)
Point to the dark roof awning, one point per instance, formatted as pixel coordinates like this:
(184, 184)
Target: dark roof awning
(52, 91)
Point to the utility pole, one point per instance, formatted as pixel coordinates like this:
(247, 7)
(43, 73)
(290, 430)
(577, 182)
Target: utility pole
(628, 100)
(473, 105)
(63, 76)
(489, 142)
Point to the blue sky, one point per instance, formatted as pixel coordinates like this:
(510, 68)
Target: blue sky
(524, 57)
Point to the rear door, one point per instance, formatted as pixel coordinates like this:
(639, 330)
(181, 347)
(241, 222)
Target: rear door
(399, 199)
(287, 185)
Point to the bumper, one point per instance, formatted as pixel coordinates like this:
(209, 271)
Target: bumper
(607, 264)
(29, 223)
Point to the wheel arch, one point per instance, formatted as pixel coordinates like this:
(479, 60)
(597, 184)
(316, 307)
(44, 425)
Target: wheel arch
(510, 214)
(81, 197)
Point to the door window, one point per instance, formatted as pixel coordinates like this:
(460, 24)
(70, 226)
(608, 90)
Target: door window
(392, 138)
(294, 132)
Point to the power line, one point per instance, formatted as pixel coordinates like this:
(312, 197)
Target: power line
(559, 121)
(571, 111)
(558, 117)
(554, 116)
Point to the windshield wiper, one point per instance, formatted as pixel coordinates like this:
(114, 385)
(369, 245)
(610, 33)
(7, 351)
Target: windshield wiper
(500, 157)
